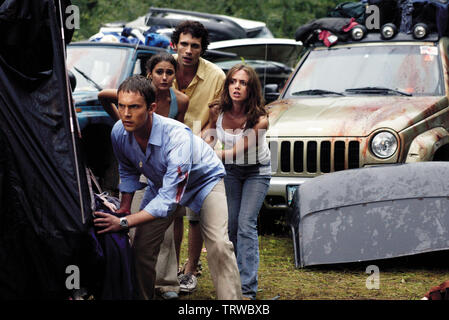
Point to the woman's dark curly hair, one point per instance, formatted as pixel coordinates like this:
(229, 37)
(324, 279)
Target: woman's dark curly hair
(196, 29)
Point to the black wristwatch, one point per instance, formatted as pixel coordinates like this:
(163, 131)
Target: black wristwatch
(124, 223)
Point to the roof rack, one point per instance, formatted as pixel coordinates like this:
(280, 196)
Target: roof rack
(395, 20)
(372, 37)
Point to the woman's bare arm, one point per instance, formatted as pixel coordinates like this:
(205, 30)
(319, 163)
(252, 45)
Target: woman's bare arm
(206, 132)
(108, 99)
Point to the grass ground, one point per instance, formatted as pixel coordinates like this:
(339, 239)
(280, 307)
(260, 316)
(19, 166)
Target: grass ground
(405, 279)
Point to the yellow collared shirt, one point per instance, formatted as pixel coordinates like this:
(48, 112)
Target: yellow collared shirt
(205, 87)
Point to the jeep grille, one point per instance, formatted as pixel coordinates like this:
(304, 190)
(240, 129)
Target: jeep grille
(314, 157)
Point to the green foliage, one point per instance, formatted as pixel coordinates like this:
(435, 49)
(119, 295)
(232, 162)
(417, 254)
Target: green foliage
(283, 17)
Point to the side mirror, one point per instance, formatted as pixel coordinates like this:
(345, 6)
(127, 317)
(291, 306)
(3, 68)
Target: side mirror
(271, 92)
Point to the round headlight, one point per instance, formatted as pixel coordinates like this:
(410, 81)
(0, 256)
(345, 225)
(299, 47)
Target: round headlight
(384, 144)
(420, 30)
(358, 32)
(388, 31)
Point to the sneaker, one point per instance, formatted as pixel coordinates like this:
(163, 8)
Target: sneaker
(169, 295)
(187, 283)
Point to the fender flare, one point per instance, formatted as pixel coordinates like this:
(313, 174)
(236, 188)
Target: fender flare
(424, 146)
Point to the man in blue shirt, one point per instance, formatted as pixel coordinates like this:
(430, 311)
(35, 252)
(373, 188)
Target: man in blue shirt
(181, 170)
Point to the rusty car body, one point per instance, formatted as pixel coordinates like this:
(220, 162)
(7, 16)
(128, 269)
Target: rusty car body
(359, 104)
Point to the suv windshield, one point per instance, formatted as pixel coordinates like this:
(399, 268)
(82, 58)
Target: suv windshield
(374, 69)
(101, 66)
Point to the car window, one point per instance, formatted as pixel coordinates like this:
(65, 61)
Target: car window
(283, 53)
(414, 69)
(141, 62)
(102, 65)
(138, 67)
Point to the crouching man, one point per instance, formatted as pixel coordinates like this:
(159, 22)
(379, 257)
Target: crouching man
(181, 169)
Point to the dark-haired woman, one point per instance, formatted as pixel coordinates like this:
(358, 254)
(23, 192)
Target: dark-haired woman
(238, 122)
(161, 69)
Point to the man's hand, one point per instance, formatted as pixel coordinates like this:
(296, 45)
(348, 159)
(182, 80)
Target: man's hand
(107, 222)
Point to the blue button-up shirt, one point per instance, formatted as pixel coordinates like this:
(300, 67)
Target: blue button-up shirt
(180, 167)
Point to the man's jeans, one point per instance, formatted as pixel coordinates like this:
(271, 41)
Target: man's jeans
(245, 191)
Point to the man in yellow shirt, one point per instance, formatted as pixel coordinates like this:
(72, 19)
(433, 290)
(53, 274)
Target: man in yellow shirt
(198, 78)
(202, 81)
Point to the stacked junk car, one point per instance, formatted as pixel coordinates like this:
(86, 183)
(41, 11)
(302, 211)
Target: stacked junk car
(360, 135)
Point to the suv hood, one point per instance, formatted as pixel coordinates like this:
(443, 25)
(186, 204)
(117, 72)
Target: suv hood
(85, 98)
(349, 116)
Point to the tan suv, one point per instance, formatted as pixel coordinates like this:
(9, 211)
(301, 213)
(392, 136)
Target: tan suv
(358, 104)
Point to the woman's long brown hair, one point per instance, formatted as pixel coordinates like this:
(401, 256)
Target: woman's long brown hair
(254, 104)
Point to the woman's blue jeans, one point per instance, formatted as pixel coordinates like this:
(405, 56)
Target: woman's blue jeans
(245, 192)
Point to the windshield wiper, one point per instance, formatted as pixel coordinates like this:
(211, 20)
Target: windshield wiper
(316, 92)
(85, 76)
(378, 90)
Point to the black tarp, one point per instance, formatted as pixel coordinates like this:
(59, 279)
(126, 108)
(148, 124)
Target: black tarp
(45, 199)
